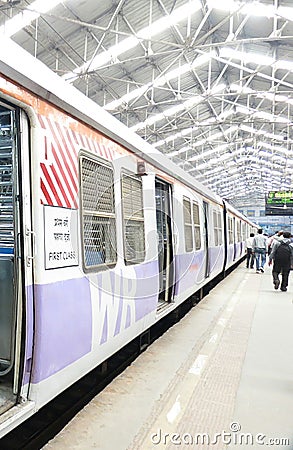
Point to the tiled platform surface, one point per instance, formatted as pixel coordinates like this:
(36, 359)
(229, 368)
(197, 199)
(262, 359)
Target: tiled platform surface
(222, 378)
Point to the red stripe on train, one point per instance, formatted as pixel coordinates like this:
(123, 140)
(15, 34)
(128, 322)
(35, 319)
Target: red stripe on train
(54, 192)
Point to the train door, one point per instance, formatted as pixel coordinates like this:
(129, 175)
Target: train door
(206, 238)
(165, 241)
(226, 236)
(15, 236)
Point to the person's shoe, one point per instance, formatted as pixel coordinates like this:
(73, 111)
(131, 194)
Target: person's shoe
(258, 271)
(283, 289)
(277, 284)
(261, 269)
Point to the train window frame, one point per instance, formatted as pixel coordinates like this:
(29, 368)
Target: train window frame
(106, 257)
(217, 223)
(243, 231)
(238, 230)
(220, 223)
(196, 226)
(131, 176)
(230, 230)
(188, 226)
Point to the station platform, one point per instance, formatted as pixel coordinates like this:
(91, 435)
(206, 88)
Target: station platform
(221, 378)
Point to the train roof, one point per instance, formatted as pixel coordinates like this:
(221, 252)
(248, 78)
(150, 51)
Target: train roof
(20, 66)
(235, 211)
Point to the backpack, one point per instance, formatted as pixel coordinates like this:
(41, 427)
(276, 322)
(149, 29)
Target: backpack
(283, 253)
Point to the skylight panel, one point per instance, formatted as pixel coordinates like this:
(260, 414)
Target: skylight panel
(188, 104)
(168, 112)
(250, 9)
(286, 12)
(148, 32)
(26, 17)
(177, 152)
(271, 117)
(255, 58)
(240, 89)
(161, 80)
(284, 65)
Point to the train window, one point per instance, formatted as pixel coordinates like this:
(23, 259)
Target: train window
(230, 230)
(238, 232)
(98, 213)
(133, 219)
(187, 225)
(217, 227)
(220, 229)
(244, 231)
(196, 225)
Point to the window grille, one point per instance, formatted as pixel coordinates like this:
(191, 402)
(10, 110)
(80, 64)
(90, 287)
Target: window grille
(187, 225)
(133, 219)
(7, 181)
(98, 213)
(196, 225)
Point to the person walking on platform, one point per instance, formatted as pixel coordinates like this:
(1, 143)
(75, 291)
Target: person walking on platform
(274, 239)
(282, 255)
(249, 254)
(259, 249)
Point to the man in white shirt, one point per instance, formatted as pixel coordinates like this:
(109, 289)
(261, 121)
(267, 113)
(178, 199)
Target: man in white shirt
(249, 254)
(260, 248)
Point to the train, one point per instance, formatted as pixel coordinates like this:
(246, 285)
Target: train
(101, 235)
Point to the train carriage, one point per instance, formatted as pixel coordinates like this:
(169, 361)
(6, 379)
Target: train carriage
(101, 235)
(238, 229)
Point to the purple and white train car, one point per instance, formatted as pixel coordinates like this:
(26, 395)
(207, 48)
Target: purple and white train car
(238, 229)
(100, 235)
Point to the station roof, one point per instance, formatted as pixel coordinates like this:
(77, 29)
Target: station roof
(207, 82)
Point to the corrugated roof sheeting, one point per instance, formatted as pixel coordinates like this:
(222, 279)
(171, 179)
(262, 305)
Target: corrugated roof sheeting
(224, 96)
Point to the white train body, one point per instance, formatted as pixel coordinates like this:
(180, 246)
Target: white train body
(101, 235)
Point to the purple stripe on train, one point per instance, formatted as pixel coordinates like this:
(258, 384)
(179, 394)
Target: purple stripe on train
(190, 268)
(216, 259)
(147, 289)
(63, 326)
(64, 314)
(29, 335)
(126, 300)
(63, 311)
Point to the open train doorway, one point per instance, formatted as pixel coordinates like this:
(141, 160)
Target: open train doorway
(13, 213)
(165, 242)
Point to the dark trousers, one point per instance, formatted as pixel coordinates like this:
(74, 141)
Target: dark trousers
(249, 258)
(284, 269)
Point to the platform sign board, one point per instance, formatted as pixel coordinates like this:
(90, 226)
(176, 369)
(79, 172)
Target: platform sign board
(279, 203)
(61, 237)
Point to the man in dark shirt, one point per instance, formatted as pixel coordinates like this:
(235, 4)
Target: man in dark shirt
(282, 255)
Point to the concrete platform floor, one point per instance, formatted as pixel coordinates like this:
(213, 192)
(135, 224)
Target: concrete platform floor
(222, 378)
